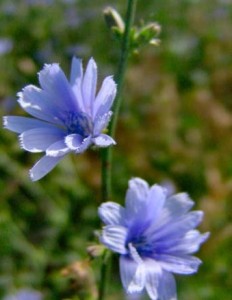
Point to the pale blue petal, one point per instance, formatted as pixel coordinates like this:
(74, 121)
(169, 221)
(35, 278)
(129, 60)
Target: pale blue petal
(114, 237)
(103, 140)
(155, 201)
(178, 227)
(136, 196)
(21, 124)
(183, 264)
(43, 167)
(167, 287)
(76, 70)
(153, 274)
(54, 82)
(187, 244)
(174, 207)
(101, 123)
(132, 275)
(105, 97)
(134, 254)
(76, 82)
(112, 213)
(39, 139)
(37, 103)
(89, 86)
(77, 143)
(57, 149)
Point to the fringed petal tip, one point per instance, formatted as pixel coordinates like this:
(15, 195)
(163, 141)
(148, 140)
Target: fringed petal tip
(5, 122)
(103, 141)
(31, 175)
(21, 144)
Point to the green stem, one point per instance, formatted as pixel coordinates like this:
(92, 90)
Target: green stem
(125, 51)
(106, 261)
(107, 152)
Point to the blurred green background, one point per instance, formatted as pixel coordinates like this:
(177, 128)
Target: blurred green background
(175, 128)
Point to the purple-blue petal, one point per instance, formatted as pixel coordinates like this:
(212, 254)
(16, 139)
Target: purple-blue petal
(43, 167)
(89, 86)
(53, 80)
(76, 82)
(174, 207)
(114, 237)
(105, 97)
(21, 124)
(178, 227)
(76, 70)
(37, 103)
(103, 140)
(101, 123)
(77, 143)
(187, 244)
(182, 264)
(167, 286)
(153, 274)
(57, 149)
(39, 139)
(136, 196)
(132, 275)
(111, 213)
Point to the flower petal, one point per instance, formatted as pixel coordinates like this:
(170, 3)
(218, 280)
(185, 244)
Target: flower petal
(44, 166)
(111, 213)
(167, 286)
(103, 140)
(132, 275)
(57, 149)
(183, 264)
(155, 201)
(77, 143)
(21, 124)
(105, 97)
(187, 244)
(39, 139)
(136, 196)
(89, 86)
(153, 274)
(178, 227)
(55, 83)
(114, 237)
(36, 102)
(174, 207)
(101, 123)
(76, 70)
(76, 81)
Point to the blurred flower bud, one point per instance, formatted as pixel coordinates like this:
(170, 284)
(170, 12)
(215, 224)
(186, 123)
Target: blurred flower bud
(96, 250)
(114, 21)
(147, 35)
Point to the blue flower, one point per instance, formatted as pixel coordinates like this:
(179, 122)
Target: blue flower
(25, 294)
(68, 116)
(155, 237)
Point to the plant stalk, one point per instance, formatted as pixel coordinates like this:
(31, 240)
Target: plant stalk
(107, 152)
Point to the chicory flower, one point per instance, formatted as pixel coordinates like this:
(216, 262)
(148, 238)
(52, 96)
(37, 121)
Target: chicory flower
(68, 116)
(155, 236)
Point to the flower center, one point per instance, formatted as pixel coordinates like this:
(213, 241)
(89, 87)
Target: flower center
(79, 123)
(142, 246)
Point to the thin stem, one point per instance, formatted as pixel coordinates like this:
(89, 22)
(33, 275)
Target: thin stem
(107, 152)
(106, 261)
(125, 51)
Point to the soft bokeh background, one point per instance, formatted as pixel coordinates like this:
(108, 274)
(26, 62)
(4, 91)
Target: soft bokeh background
(175, 128)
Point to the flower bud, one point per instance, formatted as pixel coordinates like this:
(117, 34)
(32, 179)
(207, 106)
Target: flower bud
(113, 19)
(95, 250)
(147, 35)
